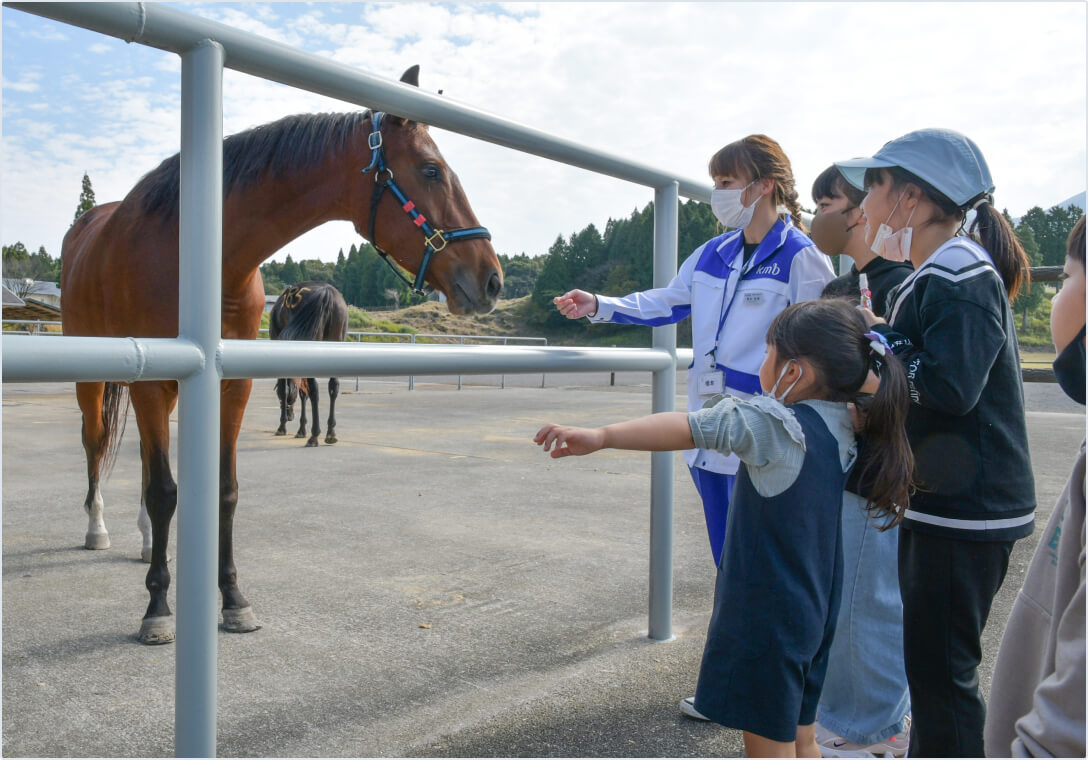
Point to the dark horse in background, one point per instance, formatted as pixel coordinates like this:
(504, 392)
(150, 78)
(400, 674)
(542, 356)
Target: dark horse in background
(120, 278)
(309, 311)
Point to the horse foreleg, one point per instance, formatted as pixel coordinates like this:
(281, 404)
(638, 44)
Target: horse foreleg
(238, 616)
(89, 397)
(334, 391)
(315, 431)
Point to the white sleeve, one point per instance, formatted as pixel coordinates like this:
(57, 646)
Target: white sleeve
(659, 306)
(810, 272)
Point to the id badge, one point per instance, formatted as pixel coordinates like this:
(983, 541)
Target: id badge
(711, 383)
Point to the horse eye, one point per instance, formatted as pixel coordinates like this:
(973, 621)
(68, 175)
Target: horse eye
(432, 171)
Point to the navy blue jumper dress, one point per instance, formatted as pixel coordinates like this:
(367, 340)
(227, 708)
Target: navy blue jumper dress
(776, 599)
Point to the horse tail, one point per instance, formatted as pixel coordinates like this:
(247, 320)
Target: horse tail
(115, 403)
(310, 315)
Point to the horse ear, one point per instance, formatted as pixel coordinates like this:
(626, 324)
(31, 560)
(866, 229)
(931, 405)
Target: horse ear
(411, 76)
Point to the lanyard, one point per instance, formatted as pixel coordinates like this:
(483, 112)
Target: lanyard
(744, 269)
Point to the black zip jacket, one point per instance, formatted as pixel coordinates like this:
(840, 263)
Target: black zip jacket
(951, 325)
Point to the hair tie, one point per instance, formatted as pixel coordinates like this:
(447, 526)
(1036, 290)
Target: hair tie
(878, 344)
(984, 198)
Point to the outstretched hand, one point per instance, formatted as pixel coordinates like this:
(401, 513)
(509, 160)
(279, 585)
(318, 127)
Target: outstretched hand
(575, 304)
(565, 441)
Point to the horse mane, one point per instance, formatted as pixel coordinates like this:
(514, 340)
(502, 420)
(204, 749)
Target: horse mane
(291, 144)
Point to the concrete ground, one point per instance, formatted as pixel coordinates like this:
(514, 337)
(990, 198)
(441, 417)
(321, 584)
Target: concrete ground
(432, 585)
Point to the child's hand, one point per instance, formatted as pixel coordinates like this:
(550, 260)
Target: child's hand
(871, 318)
(575, 304)
(569, 441)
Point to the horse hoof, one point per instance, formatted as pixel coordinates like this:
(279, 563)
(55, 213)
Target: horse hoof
(157, 630)
(97, 541)
(300, 435)
(240, 621)
(281, 432)
(311, 443)
(330, 439)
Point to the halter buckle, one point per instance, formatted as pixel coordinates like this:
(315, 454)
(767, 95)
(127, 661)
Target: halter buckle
(374, 140)
(438, 235)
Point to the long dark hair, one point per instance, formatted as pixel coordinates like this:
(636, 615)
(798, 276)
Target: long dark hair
(990, 228)
(756, 157)
(830, 335)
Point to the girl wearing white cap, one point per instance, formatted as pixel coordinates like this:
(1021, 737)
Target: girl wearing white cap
(951, 324)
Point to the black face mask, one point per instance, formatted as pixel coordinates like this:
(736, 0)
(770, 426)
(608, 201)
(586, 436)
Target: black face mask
(1069, 368)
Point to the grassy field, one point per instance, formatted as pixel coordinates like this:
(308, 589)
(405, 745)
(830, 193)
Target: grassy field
(1036, 358)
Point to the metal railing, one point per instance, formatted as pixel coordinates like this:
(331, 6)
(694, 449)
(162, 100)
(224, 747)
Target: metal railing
(199, 358)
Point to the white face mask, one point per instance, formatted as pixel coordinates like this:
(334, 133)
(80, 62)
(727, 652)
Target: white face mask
(772, 393)
(729, 208)
(893, 246)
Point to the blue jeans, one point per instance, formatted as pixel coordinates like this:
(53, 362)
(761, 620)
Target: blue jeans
(865, 696)
(714, 489)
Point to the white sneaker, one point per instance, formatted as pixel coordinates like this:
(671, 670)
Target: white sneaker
(833, 745)
(687, 707)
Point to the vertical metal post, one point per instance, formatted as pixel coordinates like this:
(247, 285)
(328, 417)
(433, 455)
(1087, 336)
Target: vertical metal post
(200, 270)
(411, 378)
(461, 342)
(666, 225)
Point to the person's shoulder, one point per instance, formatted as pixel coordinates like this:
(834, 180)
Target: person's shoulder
(881, 265)
(843, 285)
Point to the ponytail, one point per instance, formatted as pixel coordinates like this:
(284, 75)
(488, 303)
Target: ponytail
(833, 336)
(889, 461)
(995, 234)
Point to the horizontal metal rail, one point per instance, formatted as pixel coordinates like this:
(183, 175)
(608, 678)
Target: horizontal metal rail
(166, 28)
(248, 358)
(29, 359)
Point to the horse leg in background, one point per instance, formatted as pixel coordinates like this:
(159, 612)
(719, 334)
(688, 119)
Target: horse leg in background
(238, 616)
(303, 400)
(153, 402)
(334, 391)
(285, 407)
(292, 396)
(315, 431)
(89, 397)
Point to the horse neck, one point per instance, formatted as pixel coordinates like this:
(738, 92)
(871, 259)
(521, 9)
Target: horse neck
(261, 219)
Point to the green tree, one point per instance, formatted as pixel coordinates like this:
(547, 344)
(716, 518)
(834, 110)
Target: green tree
(289, 272)
(1031, 297)
(86, 198)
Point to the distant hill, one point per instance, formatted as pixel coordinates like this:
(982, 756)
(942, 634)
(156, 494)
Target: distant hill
(1077, 200)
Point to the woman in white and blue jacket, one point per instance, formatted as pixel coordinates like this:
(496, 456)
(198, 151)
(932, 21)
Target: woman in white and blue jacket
(732, 287)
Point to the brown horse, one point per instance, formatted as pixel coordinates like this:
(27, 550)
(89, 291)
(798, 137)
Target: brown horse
(120, 278)
(309, 310)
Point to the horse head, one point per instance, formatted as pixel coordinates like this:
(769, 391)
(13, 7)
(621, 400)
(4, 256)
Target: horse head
(412, 196)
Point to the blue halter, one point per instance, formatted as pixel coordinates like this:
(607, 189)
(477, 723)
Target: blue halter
(435, 240)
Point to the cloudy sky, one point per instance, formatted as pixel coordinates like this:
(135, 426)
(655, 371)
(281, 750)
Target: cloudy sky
(663, 83)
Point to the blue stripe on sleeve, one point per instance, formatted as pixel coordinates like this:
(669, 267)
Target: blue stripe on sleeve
(678, 313)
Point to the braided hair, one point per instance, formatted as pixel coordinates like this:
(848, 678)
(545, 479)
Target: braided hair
(756, 157)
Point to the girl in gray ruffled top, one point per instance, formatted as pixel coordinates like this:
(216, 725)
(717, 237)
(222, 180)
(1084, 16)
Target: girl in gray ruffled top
(780, 575)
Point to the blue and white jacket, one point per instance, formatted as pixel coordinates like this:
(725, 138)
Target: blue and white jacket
(785, 269)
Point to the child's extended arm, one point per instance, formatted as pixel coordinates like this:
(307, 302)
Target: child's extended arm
(667, 431)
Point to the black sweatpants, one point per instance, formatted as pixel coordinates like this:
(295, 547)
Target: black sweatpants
(947, 586)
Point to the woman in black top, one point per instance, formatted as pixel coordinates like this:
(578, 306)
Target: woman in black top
(951, 324)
